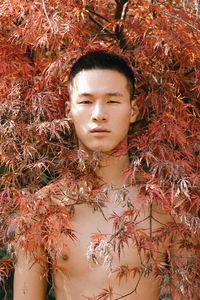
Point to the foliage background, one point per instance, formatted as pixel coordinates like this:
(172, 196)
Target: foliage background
(39, 40)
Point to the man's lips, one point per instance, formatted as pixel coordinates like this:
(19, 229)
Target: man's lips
(99, 130)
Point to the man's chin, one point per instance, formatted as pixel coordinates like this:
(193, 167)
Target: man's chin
(104, 149)
(100, 150)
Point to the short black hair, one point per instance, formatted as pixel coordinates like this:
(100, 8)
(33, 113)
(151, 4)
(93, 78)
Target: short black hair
(103, 59)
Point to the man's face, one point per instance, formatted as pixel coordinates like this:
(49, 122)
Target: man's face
(101, 110)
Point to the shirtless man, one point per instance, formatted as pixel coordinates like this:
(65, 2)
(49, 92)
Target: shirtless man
(101, 107)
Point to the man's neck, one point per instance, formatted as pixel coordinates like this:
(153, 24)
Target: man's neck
(112, 168)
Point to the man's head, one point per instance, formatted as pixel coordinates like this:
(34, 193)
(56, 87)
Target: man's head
(101, 85)
(102, 60)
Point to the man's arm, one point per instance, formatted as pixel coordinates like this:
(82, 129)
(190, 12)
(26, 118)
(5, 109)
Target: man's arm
(29, 280)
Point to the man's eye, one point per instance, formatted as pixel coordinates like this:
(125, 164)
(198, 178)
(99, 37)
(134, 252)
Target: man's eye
(113, 101)
(85, 102)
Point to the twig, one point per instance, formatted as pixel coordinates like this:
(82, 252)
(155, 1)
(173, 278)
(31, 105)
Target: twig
(142, 220)
(45, 11)
(194, 36)
(150, 222)
(134, 290)
(157, 221)
(124, 10)
(97, 14)
(101, 210)
(139, 254)
(175, 17)
(100, 24)
(120, 14)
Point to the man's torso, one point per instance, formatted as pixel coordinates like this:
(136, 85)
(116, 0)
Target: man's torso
(84, 272)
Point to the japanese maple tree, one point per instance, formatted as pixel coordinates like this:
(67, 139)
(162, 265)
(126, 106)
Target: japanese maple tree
(39, 41)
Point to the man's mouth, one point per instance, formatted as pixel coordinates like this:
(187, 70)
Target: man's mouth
(99, 131)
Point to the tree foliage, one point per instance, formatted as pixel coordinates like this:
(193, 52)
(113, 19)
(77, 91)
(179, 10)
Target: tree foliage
(39, 41)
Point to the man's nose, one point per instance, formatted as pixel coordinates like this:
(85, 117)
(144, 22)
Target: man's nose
(99, 113)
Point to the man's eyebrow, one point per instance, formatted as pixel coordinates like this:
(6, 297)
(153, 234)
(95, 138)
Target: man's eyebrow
(85, 95)
(115, 94)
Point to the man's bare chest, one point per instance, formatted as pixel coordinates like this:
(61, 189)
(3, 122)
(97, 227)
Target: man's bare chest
(105, 244)
(100, 240)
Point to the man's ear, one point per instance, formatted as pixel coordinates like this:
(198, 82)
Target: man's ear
(134, 111)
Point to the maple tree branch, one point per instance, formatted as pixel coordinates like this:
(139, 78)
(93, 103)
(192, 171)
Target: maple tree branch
(81, 201)
(97, 14)
(134, 290)
(120, 14)
(120, 9)
(137, 246)
(45, 11)
(175, 17)
(142, 220)
(194, 36)
(157, 221)
(101, 210)
(150, 221)
(100, 25)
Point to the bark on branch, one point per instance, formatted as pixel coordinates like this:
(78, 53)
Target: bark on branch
(97, 14)
(100, 25)
(120, 8)
(120, 14)
(46, 14)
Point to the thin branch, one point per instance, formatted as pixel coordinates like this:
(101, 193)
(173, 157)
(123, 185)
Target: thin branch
(97, 14)
(101, 210)
(100, 24)
(134, 290)
(139, 254)
(150, 222)
(119, 8)
(157, 221)
(120, 14)
(45, 11)
(175, 17)
(142, 220)
(194, 36)
(124, 10)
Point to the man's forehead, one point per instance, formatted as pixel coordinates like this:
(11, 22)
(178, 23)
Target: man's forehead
(91, 72)
(100, 82)
(97, 77)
